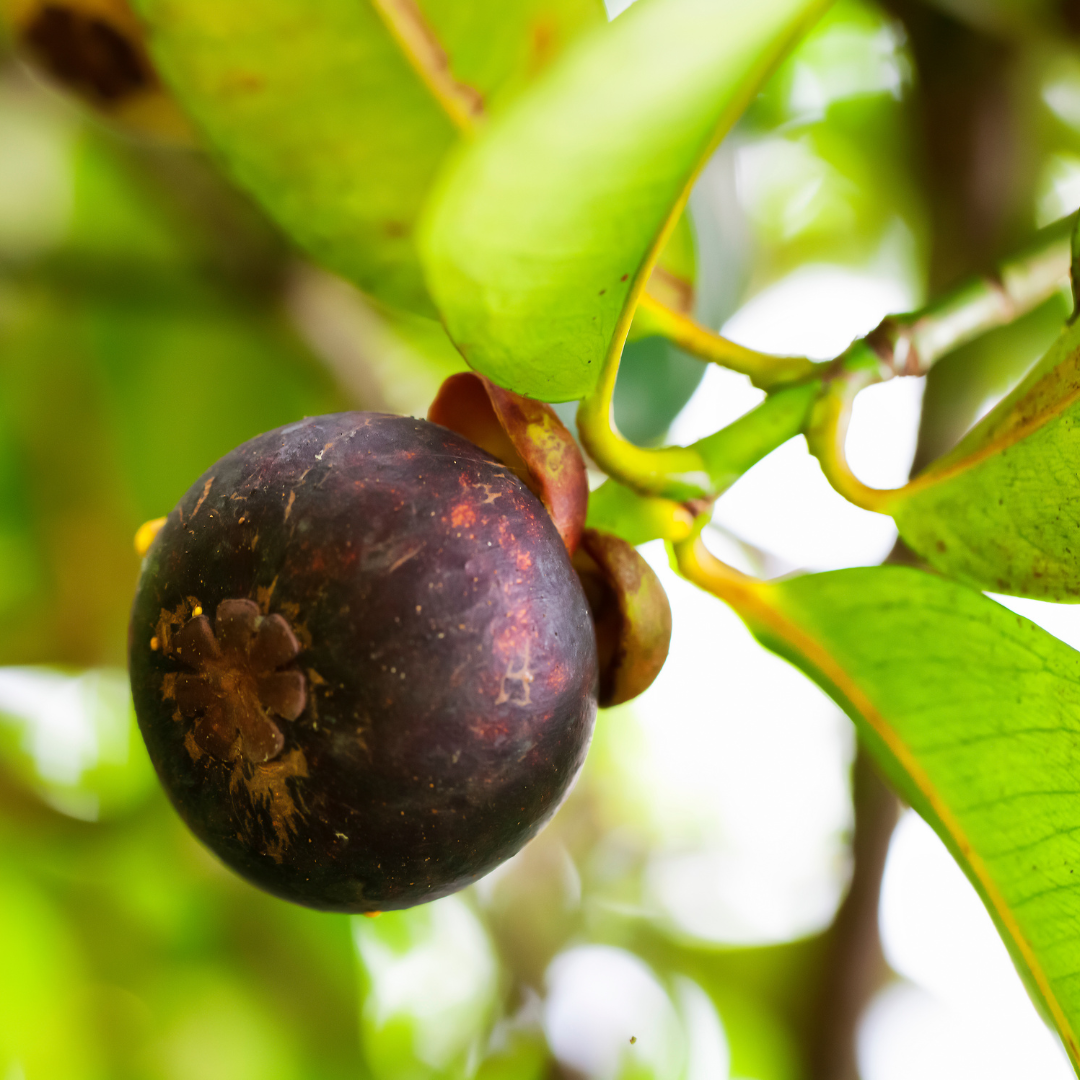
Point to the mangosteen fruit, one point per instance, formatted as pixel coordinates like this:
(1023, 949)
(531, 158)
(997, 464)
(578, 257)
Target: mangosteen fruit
(362, 662)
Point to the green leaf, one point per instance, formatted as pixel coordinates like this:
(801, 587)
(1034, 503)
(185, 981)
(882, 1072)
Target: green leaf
(46, 1029)
(541, 231)
(93, 766)
(334, 114)
(999, 511)
(974, 714)
(430, 977)
(636, 518)
(656, 379)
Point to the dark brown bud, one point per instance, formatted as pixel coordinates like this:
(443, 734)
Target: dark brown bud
(95, 50)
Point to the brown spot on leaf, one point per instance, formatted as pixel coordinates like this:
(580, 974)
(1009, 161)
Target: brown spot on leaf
(88, 54)
(429, 59)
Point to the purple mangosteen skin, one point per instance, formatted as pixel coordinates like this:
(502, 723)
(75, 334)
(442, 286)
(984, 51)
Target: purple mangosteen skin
(444, 679)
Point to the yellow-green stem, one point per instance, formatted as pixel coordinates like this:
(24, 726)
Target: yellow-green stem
(765, 371)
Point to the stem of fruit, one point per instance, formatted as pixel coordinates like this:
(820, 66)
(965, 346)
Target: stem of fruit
(699, 565)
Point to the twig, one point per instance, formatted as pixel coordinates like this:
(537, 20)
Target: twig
(854, 966)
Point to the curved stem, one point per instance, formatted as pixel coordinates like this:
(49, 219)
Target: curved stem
(675, 472)
(704, 469)
(826, 433)
(700, 566)
(912, 344)
(765, 370)
(900, 345)
(908, 344)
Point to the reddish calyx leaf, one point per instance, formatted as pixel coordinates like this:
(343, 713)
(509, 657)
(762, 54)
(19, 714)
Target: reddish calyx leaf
(630, 612)
(525, 435)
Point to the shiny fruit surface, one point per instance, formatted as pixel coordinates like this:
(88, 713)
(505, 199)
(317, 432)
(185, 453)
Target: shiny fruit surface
(362, 663)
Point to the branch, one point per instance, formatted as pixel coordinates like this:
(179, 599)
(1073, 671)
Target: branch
(854, 964)
(807, 397)
(912, 344)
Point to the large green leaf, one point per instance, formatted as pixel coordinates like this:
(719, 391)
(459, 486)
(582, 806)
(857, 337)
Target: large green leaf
(1001, 510)
(542, 228)
(974, 713)
(335, 114)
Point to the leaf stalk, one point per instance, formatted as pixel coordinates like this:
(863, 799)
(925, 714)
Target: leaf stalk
(911, 344)
(811, 398)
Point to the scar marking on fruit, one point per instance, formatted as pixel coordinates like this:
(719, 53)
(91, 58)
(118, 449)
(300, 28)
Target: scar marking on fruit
(169, 619)
(522, 675)
(202, 498)
(406, 557)
(491, 496)
(462, 516)
(263, 594)
(268, 790)
(289, 505)
(168, 686)
(237, 677)
(192, 746)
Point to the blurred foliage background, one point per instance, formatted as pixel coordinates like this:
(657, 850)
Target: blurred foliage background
(151, 319)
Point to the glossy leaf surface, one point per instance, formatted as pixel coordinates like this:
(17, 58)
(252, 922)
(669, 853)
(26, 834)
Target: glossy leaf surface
(1000, 510)
(541, 229)
(636, 518)
(334, 114)
(974, 713)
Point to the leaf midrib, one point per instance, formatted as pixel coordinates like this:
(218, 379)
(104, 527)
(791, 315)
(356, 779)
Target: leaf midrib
(462, 104)
(724, 122)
